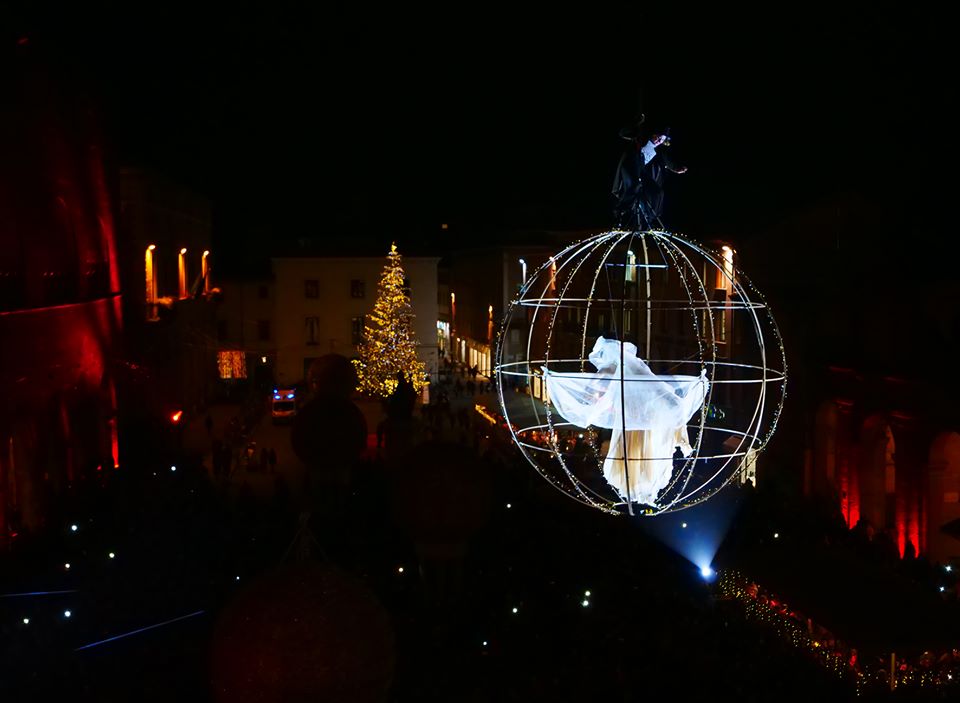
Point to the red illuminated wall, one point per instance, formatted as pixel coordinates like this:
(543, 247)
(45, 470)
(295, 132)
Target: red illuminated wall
(59, 293)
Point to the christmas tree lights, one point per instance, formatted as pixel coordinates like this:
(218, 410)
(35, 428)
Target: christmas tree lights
(389, 347)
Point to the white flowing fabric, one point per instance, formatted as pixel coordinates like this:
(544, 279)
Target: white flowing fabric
(648, 418)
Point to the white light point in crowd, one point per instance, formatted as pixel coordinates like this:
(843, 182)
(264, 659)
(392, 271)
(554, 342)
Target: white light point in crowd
(706, 572)
(399, 569)
(683, 525)
(948, 568)
(67, 613)
(237, 578)
(173, 468)
(67, 566)
(111, 555)
(515, 610)
(584, 602)
(73, 528)
(509, 505)
(942, 589)
(776, 535)
(26, 621)
(484, 643)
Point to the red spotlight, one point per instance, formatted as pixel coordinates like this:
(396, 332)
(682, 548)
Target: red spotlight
(176, 416)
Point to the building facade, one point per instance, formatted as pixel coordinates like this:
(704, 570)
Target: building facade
(307, 307)
(166, 268)
(481, 285)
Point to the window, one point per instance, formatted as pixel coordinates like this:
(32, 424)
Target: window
(231, 364)
(263, 330)
(357, 289)
(311, 288)
(262, 292)
(356, 330)
(311, 326)
(222, 331)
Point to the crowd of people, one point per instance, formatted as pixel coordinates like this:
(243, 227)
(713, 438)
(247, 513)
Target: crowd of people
(541, 599)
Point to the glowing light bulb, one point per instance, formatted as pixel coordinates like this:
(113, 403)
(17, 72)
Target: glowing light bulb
(26, 621)
(173, 468)
(942, 589)
(111, 555)
(586, 593)
(73, 528)
(67, 566)
(399, 569)
(683, 525)
(484, 643)
(515, 611)
(776, 535)
(948, 568)
(509, 505)
(67, 613)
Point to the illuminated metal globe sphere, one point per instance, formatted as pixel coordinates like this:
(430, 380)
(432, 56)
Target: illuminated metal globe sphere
(640, 372)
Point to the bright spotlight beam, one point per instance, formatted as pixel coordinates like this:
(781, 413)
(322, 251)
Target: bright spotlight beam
(706, 572)
(135, 632)
(34, 593)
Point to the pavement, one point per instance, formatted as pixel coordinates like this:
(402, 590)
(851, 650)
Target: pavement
(261, 483)
(265, 434)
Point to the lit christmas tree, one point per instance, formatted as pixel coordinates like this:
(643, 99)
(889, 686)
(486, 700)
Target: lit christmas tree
(389, 345)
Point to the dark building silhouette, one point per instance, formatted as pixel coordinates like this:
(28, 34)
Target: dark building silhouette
(871, 322)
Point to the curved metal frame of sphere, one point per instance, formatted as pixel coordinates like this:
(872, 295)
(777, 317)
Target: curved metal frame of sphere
(678, 253)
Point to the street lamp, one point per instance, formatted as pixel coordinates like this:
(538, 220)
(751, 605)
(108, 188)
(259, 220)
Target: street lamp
(205, 271)
(151, 281)
(182, 268)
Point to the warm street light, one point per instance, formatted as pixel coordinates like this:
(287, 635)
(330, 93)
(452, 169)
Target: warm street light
(205, 271)
(182, 268)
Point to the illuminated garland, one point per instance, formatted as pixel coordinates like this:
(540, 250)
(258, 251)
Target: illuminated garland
(389, 345)
(790, 626)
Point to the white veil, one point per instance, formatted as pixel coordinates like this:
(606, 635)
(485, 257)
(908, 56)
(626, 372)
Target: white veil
(648, 414)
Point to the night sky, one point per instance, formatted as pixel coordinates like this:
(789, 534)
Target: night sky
(298, 122)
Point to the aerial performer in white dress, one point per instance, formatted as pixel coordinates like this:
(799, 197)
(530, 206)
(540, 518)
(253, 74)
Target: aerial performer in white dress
(648, 414)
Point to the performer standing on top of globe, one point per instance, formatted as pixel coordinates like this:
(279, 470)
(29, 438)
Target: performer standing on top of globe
(638, 184)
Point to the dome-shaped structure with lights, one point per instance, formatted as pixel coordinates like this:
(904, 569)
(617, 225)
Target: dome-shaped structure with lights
(640, 371)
